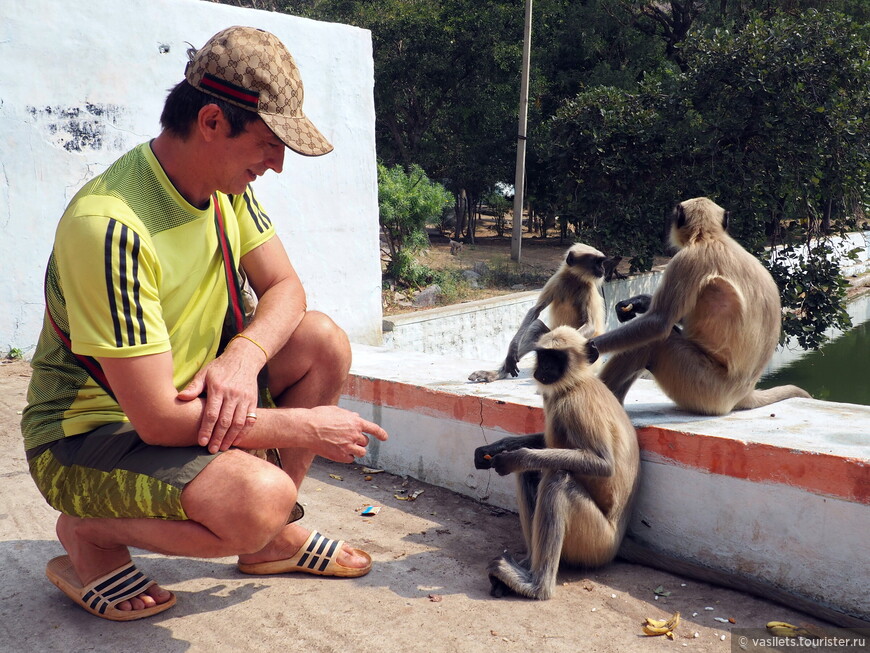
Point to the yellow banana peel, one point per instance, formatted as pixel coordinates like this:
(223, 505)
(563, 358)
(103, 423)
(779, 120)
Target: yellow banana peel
(784, 629)
(653, 627)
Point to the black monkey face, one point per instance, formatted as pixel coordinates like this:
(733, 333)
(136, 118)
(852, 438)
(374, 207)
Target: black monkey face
(551, 365)
(590, 262)
(596, 265)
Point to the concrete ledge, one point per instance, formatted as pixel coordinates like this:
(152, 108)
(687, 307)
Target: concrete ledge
(780, 494)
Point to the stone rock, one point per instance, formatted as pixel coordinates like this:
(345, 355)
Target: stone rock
(428, 296)
(472, 277)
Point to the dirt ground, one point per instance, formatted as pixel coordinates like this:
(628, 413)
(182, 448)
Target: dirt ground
(428, 591)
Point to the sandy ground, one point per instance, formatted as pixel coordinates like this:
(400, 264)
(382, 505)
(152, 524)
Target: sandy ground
(427, 592)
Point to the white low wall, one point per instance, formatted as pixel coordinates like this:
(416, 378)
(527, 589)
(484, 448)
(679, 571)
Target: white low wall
(82, 83)
(483, 329)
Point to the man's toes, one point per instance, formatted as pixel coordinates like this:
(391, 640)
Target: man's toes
(157, 594)
(146, 601)
(138, 602)
(351, 559)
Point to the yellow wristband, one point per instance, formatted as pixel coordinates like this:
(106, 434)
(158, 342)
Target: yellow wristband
(242, 335)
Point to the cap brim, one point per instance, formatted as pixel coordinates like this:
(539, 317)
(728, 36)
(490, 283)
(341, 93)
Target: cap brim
(299, 134)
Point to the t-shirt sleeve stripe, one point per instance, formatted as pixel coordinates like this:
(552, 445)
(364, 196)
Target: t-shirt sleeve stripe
(119, 286)
(261, 220)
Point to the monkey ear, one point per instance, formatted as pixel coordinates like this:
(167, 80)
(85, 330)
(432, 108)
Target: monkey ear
(570, 260)
(725, 218)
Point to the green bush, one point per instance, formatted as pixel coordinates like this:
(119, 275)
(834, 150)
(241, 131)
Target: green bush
(407, 202)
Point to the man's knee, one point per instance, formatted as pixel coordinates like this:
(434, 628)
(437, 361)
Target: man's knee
(318, 341)
(241, 498)
(325, 333)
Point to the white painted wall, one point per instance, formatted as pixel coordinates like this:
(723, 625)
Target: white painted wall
(81, 84)
(797, 540)
(483, 329)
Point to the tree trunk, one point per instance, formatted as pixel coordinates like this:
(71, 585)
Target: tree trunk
(460, 215)
(472, 219)
(826, 217)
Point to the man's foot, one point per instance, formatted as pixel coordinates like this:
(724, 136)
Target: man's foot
(92, 561)
(287, 547)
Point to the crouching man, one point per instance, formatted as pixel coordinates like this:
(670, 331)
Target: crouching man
(145, 401)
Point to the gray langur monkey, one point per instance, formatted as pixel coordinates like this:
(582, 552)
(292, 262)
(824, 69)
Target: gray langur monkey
(709, 329)
(573, 294)
(576, 481)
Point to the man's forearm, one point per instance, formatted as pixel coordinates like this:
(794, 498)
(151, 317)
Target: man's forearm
(279, 312)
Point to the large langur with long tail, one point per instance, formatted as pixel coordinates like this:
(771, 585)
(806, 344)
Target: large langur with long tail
(576, 481)
(710, 328)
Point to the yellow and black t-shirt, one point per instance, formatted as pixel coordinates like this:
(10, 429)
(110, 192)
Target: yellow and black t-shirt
(135, 270)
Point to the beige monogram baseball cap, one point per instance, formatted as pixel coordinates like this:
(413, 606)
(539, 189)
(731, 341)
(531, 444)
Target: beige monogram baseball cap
(252, 69)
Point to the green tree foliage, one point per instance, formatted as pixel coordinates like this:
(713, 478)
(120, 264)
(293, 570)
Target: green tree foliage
(813, 289)
(771, 121)
(784, 116)
(608, 145)
(407, 201)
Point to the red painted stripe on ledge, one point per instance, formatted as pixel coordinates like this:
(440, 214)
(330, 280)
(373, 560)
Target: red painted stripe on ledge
(819, 473)
(491, 413)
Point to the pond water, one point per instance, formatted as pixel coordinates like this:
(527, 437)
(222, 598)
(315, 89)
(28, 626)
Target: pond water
(839, 371)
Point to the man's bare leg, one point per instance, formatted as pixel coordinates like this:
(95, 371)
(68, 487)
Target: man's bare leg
(219, 500)
(238, 503)
(309, 371)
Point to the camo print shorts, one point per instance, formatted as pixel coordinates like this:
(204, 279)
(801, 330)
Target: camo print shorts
(110, 472)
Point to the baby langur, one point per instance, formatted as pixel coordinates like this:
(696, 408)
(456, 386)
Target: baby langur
(573, 294)
(709, 330)
(576, 481)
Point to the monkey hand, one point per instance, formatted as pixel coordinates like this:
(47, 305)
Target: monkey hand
(484, 376)
(592, 352)
(510, 366)
(507, 462)
(632, 307)
(483, 456)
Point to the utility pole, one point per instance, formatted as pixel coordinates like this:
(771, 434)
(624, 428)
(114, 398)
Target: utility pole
(520, 177)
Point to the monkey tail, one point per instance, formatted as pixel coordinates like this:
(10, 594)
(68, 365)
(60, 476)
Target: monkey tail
(759, 398)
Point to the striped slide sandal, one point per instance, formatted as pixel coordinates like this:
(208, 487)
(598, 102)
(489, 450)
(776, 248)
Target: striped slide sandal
(100, 597)
(319, 555)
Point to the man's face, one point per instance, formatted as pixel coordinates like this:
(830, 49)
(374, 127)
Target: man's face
(248, 156)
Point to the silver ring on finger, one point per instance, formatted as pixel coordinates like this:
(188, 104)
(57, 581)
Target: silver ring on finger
(252, 417)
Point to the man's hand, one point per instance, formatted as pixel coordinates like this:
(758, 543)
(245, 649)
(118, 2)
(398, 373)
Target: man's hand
(340, 435)
(230, 386)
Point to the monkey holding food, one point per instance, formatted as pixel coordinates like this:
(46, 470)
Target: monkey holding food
(710, 328)
(576, 481)
(573, 294)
